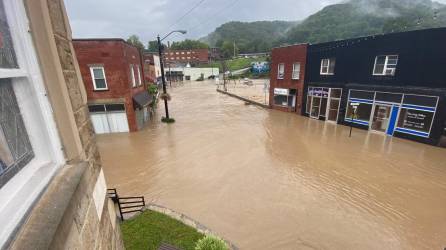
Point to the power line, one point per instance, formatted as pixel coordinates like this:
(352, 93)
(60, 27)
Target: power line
(187, 13)
(217, 13)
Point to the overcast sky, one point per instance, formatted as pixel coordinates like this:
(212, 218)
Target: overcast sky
(147, 18)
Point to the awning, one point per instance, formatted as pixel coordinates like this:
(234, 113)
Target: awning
(142, 99)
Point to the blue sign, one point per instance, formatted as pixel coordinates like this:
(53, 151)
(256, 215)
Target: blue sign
(260, 67)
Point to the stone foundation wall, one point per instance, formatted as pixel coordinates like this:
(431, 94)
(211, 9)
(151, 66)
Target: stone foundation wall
(73, 212)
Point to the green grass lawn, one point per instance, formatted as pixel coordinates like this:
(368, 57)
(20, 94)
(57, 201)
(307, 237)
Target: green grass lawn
(150, 229)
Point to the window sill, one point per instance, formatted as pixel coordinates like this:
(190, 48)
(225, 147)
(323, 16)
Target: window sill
(100, 90)
(45, 217)
(20, 193)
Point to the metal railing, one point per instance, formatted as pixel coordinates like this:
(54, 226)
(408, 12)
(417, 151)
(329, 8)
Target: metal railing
(126, 205)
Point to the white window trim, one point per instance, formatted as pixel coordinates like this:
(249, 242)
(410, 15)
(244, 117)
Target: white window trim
(278, 71)
(19, 194)
(328, 67)
(138, 71)
(94, 80)
(294, 70)
(132, 73)
(385, 65)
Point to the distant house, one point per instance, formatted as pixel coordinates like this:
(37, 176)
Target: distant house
(152, 67)
(287, 77)
(392, 84)
(112, 71)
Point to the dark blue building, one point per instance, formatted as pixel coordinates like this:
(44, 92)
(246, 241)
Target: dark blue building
(393, 84)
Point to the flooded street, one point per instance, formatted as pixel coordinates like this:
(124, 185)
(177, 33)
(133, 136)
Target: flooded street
(271, 180)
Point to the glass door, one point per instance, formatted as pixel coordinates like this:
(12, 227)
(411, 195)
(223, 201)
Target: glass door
(333, 110)
(315, 107)
(380, 120)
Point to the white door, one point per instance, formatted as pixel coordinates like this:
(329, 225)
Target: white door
(100, 123)
(118, 122)
(109, 122)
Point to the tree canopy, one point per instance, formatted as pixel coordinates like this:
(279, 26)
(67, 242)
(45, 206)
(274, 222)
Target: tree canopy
(134, 40)
(189, 44)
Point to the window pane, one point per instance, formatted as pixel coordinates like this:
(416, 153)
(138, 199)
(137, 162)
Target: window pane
(100, 84)
(388, 97)
(7, 55)
(362, 113)
(96, 108)
(281, 100)
(415, 120)
(115, 107)
(379, 69)
(428, 101)
(335, 93)
(332, 64)
(15, 148)
(324, 62)
(362, 94)
(380, 60)
(98, 74)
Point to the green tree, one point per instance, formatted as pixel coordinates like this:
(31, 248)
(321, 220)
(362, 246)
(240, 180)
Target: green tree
(152, 46)
(189, 44)
(134, 40)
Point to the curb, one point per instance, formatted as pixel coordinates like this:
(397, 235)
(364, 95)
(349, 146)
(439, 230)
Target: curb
(244, 99)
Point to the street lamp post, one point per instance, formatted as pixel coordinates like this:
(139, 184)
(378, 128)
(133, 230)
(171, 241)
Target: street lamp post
(160, 52)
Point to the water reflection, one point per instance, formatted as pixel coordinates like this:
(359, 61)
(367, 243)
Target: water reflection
(272, 180)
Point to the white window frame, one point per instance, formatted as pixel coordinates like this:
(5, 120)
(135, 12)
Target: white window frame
(293, 74)
(132, 73)
(278, 71)
(18, 195)
(329, 60)
(92, 68)
(138, 71)
(386, 64)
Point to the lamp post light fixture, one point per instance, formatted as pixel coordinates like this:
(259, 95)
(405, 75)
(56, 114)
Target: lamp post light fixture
(160, 52)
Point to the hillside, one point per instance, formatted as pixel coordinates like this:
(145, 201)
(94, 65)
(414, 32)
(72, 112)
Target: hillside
(366, 17)
(349, 19)
(248, 36)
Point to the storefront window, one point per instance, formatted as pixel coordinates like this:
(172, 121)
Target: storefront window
(280, 100)
(363, 111)
(417, 120)
(285, 97)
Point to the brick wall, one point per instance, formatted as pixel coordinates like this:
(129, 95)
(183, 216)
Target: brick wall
(196, 56)
(116, 56)
(288, 55)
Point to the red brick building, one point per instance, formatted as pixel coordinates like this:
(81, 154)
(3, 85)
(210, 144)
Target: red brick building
(112, 72)
(186, 56)
(287, 77)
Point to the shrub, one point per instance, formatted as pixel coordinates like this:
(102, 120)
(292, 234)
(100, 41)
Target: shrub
(210, 242)
(167, 120)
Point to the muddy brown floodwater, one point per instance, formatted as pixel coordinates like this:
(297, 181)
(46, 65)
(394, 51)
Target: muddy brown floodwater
(271, 180)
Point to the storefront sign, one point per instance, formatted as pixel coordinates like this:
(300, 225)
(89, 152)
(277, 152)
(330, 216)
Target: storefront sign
(323, 92)
(278, 91)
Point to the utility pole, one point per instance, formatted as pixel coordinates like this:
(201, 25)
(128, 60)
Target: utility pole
(234, 48)
(223, 65)
(160, 52)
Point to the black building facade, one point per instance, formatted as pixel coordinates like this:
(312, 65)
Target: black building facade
(393, 84)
